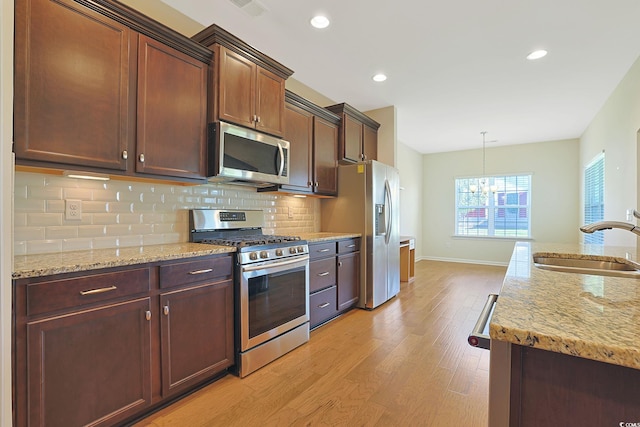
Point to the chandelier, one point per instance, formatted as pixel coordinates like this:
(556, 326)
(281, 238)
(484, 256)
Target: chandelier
(484, 180)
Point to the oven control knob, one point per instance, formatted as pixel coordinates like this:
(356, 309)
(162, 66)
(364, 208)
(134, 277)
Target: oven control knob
(279, 252)
(292, 250)
(264, 254)
(300, 249)
(253, 256)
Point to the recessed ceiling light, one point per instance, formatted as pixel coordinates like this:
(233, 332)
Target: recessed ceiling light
(320, 21)
(537, 54)
(379, 77)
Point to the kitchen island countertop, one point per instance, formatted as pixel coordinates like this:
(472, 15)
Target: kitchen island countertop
(590, 316)
(38, 265)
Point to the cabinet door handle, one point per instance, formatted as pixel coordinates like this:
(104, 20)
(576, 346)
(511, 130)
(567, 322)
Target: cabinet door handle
(165, 310)
(257, 119)
(98, 291)
(205, 270)
(325, 305)
(325, 273)
(141, 157)
(339, 263)
(125, 155)
(147, 315)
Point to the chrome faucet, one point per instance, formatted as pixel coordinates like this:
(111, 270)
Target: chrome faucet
(608, 225)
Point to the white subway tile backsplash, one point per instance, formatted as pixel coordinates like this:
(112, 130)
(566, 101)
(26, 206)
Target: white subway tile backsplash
(121, 213)
(53, 233)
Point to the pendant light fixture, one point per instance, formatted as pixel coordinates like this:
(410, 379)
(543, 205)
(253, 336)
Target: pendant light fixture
(484, 180)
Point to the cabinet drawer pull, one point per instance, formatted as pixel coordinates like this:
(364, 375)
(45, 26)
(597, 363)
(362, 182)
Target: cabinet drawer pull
(165, 310)
(206, 270)
(351, 246)
(147, 315)
(323, 250)
(325, 305)
(326, 273)
(98, 291)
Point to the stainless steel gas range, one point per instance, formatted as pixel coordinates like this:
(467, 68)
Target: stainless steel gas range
(271, 281)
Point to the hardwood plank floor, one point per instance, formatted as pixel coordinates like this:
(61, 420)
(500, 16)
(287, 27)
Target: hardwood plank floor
(406, 363)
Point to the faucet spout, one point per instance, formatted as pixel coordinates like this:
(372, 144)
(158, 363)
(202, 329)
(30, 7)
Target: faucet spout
(608, 225)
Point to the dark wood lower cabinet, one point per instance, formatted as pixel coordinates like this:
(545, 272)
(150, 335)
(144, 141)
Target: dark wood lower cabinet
(196, 341)
(103, 347)
(334, 279)
(91, 367)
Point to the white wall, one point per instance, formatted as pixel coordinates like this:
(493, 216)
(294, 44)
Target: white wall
(554, 167)
(614, 130)
(6, 185)
(411, 193)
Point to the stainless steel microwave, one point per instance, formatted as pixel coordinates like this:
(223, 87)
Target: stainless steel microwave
(242, 155)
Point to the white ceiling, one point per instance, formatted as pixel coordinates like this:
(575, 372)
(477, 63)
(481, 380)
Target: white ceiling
(455, 68)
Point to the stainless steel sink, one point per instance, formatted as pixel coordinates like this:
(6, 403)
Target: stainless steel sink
(600, 267)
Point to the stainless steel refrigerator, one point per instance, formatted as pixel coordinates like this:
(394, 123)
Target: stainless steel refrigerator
(367, 203)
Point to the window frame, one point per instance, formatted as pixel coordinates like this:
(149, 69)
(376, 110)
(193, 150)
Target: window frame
(593, 171)
(490, 201)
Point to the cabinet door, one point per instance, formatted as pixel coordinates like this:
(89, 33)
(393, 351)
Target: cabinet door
(172, 109)
(269, 102)
(235, 88)
(299, 133)
(348, 280)
(197, 334)
(73, 104)
(369, 143)
(351, 139)
(92, 367)
(325, 157)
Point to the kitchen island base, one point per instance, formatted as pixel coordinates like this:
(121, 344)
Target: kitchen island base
(548, 389)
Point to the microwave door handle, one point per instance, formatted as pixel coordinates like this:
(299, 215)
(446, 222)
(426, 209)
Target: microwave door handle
(281, 151)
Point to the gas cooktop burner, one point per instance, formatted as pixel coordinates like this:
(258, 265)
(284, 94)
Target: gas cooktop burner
(251, 240)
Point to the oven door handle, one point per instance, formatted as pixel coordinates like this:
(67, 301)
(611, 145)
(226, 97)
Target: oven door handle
(477, 338)
(276, 264)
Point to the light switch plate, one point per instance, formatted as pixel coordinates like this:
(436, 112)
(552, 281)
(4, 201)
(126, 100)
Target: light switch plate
(73, 209)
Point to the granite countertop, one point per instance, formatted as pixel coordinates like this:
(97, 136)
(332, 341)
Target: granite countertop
(590, 316)
(327, 235)
(67, 262)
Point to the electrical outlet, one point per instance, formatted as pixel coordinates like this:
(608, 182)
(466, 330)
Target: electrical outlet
(73, 209)
(290, 212)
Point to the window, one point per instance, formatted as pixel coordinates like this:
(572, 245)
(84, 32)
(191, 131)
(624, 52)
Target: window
(498, 206)
(594, 197)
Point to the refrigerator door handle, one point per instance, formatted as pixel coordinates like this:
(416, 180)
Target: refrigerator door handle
(389, 209)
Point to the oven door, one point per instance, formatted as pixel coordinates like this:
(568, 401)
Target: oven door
(274, 298)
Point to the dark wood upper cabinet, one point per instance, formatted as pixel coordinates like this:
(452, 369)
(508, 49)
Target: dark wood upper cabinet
(299, 132)
(325, 156)
(312, 132)
(172, 111)
(358, 134)
(246, 86)
(95, 90)
(74, 92)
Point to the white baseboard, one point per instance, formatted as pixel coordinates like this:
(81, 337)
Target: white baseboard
(464, 261)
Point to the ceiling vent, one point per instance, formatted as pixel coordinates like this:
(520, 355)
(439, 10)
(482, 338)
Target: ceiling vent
(251, 7)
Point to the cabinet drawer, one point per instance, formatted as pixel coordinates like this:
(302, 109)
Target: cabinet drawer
(55, 295)
(194, 271)
(321, 250)
(322, 306)
(322, 274)
(351, 245)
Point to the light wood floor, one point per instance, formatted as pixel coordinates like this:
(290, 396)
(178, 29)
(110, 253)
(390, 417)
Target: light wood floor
(405, 363)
